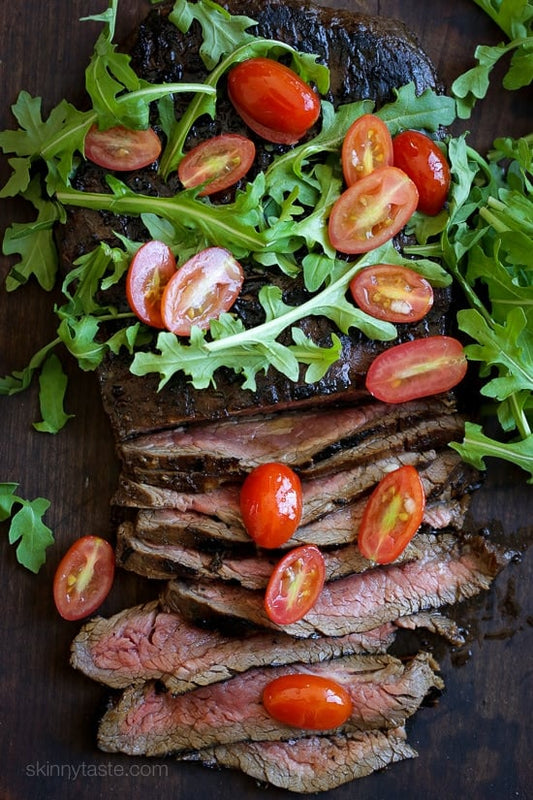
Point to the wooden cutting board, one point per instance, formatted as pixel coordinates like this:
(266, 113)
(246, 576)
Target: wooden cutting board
(474, 742)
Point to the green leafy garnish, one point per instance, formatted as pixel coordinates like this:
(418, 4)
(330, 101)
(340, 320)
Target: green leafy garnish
(26, 526)
(515, 18)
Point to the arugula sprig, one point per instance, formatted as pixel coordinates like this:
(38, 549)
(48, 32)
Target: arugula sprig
(486, 245)
(515, 19)
(26, 526)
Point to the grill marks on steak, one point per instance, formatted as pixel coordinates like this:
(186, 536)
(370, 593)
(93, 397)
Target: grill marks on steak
(145, 643)
(450, 572)
(313, 764)
(384, 692)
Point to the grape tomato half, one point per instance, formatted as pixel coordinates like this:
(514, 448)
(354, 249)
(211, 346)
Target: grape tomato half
(201, 290)
(122, 149)
(392, 292)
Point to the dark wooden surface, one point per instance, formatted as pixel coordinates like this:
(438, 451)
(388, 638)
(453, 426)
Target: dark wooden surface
(474, 743)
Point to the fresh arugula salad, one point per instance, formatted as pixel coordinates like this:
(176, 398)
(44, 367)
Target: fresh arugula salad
(481, 239)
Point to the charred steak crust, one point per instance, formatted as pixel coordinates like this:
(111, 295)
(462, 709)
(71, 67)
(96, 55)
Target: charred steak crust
(369, 58)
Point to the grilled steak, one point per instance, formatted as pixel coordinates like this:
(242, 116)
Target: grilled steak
(305, 765)
(145, 721)
(368, 58)
(144, 643)
(250, 571)
(448, 574)
(185, 452)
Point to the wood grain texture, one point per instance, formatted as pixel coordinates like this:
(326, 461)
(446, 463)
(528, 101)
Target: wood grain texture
(474, 743)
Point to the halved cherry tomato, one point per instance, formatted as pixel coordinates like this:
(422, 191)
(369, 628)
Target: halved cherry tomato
(84, 577)
(295, 584)
(392, 292)
(201, 290)
(219, 162)
(151, 268)
(273, 100)
(308, 701)
(392, 515)
(366, 147)
(415, 369)
(422, 159)
(372, 211)
(122, 149)
(271, 504)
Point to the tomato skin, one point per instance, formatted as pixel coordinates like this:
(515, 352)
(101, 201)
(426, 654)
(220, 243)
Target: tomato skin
(295, 584)
(392, 292)
(421, 158)
(84, 577)
(307, 701)
(222, 161)
(271, 504)
(392, 515)
(372, 210)
(273, 100)
(419, 368)
(366, 147)
(122, 149)
(201, 290)
(151, 268)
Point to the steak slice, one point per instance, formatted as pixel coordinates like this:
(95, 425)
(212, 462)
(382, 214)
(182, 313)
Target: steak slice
(448, 574)
(305, 765)
(145, 643)
(163, 562)
(384, 692)
(301, 439)
(445, 480)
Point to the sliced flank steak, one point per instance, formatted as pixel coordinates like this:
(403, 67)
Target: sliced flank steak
(305, 765)
(145, 643)
(145, 721)
(449, 573)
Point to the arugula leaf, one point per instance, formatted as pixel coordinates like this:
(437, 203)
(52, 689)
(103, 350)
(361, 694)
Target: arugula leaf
(476, 446)
(53, 384)
(515, 18)
(26, 527)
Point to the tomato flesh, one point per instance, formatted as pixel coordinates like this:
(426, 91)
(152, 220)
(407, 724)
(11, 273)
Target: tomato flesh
(422, 159)
(273, 100)
(201, 290)
(84, 577)
(122, 149)
(219, 162)
(392, 515)
(151, 268)
(295, 585)
(392, 292)
(271, 504)
(366, 147)
(308, 701)
(419, 368)
(372, 210)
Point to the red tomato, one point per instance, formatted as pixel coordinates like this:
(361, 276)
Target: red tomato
(271, 504)
(307, 701)
(295, 584)
(392, 292)
(372, 211)
(84, 577)
(415, 369)
(150, 270)
(220, 161)
(392, 515)
(122, 149)
(421, 158)
(273, 100)
(366, 147)
(201, 290)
